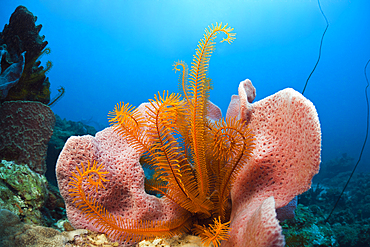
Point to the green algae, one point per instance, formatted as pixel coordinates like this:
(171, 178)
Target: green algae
(22, 191)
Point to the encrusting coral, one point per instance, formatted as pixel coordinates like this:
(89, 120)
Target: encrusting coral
(199, 159)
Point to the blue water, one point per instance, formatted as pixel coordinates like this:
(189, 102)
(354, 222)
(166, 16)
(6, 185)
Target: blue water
(104, 52)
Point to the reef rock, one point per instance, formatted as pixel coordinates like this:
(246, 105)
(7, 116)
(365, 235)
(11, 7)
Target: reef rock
(13, 232)
(28, 194)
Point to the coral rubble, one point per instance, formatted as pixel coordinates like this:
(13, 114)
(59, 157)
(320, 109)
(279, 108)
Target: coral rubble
(13, 232)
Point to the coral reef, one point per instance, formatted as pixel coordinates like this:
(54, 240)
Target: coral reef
(30, 186)
(350, 221)
(306, 230)
(28, 195)
(331, 168)
(21, 36)
(91, 239)
(64, 129)
(25, 130)
(126, 177)
(176, 241)
(13, 232)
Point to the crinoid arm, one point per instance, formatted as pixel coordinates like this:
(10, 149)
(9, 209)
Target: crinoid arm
(168, 156)
(183, 78)
(195, 160)
(116, 227)
(32, 71)
(214, 233)
(233, 143)
(129, 122)
(61, 92)
(197, 94)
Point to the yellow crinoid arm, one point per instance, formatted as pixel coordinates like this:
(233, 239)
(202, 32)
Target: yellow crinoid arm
(129, 122)
(232, 146)
(214, 233)
(183, 78)
(167, 156)
(197, 96)
(117, 227)
(199, 66)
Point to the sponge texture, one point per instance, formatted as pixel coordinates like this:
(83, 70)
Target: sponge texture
(25, 130)
(287, 152)
(285, 158)
(124, 195)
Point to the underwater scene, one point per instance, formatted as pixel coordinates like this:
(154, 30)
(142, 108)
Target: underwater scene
(184, 123)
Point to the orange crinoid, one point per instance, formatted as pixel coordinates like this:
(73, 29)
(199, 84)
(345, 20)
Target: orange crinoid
(194, 158)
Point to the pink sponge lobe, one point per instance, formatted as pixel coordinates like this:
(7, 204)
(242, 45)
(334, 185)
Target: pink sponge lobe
(260, 229)
(287, 151)
(283, 163)
(124, 194)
